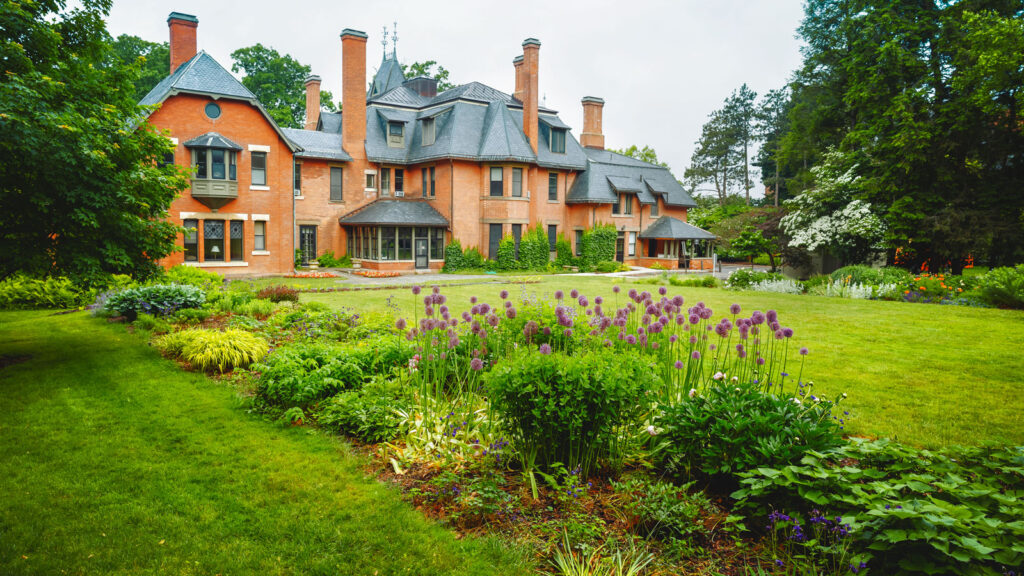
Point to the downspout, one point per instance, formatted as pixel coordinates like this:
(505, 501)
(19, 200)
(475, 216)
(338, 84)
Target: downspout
(451, 196)
(291, 254)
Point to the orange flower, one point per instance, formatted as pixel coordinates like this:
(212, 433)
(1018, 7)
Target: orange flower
(906, 292)
(921, 288)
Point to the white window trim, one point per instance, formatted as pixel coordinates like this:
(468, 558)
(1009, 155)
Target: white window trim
(217, 264)
(263, 217)
(259, 148)
(255, 187)
(261, 252)
(174, 141)
(212, 216)
(300, 197)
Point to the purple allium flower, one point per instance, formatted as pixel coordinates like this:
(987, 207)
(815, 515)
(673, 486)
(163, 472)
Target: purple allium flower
(559, 294)
(757, 317)
(400, 324)
(662, 290)
(511, 313)
(693, 339)
(760, 361)
(679, 364)
(530, 329)
(734, 309)
(485, 308)
(574, 293)
(429, 310)
(567, 333)
(771, 316)
(694, 318)
(803, 351)
(631, 339)
(779, 334)
(678, 301)
(476, 364)
(655, 345)
(545, 349)
(504, 294)
(582, 301)
(472, 299)
(616, 288)
(547, 331)
(633, 293)
(695, 355)
(508, 303)
(787, 332)
(672, 339)
(416, 290)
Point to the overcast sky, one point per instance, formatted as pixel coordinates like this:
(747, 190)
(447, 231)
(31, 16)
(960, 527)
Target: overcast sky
(661, 66)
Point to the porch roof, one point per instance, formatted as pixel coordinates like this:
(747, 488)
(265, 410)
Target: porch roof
(395, 213)
(669, 228)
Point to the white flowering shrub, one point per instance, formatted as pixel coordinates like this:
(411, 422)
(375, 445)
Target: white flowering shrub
(784, 286)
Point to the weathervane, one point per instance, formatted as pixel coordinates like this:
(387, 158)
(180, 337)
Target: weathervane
(384, 41)
(394, 41)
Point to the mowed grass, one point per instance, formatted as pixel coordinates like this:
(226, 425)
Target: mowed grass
(925, 374)
(115, 461)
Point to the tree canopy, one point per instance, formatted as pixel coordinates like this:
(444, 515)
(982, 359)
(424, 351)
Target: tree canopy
(646, 154)
(81, 190)
(155, 61)
(278, 81)
(426, 68)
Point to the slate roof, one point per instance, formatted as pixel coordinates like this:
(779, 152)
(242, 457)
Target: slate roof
(671, 228)
(201, 74)
(211, 140)
(403, 96)
(607, 172)
(324, 145)
(396, 213)
(388, 77)
(329, 122)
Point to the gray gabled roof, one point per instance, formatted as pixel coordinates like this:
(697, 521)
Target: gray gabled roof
(323, 145)
(388, 77)
(396, 213)
(329, 122)
(670, 228)
(502, 138)
(201, 74)
(595, 184)
(405, 97)
(211, 140)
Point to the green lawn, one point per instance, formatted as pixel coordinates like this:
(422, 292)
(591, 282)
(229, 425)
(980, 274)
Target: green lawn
(115, 461)
(925, 374)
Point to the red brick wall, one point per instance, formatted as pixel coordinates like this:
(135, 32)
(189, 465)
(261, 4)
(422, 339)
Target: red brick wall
(184, 117)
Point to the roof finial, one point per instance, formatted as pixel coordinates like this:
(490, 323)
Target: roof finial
(384, 43)
(394, 41)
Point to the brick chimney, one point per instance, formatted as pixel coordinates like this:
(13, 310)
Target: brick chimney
(183, 38)
(517, 62)
(531, 95)
(312, 102)
(593, 134)
(353, 91)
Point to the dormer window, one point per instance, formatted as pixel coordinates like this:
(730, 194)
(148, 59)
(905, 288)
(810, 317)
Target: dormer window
(428, 131)
(558, 140)
(396, 134)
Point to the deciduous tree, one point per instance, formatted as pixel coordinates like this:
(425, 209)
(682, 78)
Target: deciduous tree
(278, 81)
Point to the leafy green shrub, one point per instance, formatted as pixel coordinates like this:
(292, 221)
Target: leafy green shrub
(327, 260)
(598, 245)
(1003, 287)
(816, 282)
(507, 254)
(744, 278)
(953, 511)
(658, 266)
(303, 374)
(563, 252)
(695, 282)
(256, 308)
(669, 512)
(159, 299)
(534, 249)
(278, 293)
(861, 274)
(152, 324)
(607, 266)
(192, 276)
(230, 301)
(472, 258)
(189, 316)
(23, 292)
(570, 409)
(454, 259)
(209, 349)
(731, 429)
(371, 413)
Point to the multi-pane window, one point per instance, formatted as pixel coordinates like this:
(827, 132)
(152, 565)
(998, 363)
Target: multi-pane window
(168, 159)
(654, 207)
(259, 168)
(517, 233)
(553, 186)
(213, 240)
(627, 205)
(436, 243)
(579, 242)
(497, 181)
(558, 140)
(517, 182)
(191, 240)
(552, 236)
(493, 241)
(385, 181)
(259, 235)
(424, 174)
(617, 206)
(405, 243)
(214, 163)
(237, 229)
(336, 186)
(399, 182)
(433, 182)
(428, 131)
(199, 161)
(632, 243)
(371, 181)
(396, 134)
(387, 243)
(297, 178)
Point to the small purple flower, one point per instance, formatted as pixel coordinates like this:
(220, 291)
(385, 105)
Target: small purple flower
(757, 317)
(672, 339)
(679, 364)
(476, 364)
(545, 349)
(694, 318)
(547, 331)
(695, 355)
(655, 345)
(803, 351)
(787, 332)
(662, 290)
(616, 288)
(760, 361)
(772, 315)
(574, 293)
(734, 309)
(416, 290)
(631, 339)
(559, 294)
(567, 333)
(504, 294)
(400, 324)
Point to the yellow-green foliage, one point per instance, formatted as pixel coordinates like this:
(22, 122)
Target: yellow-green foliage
(256, 308)
(209, 349)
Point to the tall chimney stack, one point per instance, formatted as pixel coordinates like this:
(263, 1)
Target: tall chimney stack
(593, 133)
(183, 38)
(312, 102)
(353, 91)
(517, 62)
(531, 67)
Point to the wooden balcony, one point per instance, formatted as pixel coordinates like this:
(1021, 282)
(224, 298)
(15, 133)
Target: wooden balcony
(214, 193)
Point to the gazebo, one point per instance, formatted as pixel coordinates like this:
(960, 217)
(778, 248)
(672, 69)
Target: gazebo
(677, 245)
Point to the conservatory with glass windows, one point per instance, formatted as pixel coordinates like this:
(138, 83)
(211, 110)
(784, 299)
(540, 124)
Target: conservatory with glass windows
(396, 235)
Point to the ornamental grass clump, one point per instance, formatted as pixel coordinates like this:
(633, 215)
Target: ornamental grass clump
(209, 349)
(571, 410)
